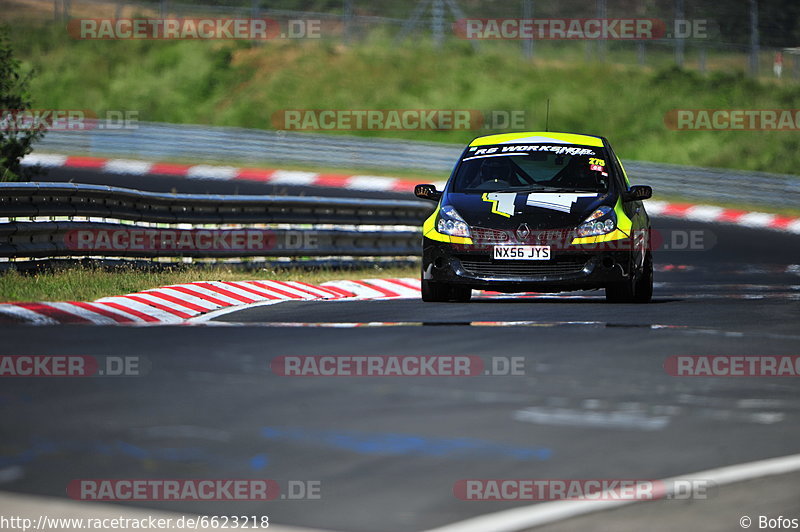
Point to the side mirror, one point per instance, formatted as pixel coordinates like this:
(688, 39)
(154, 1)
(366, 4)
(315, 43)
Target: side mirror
(427, 192)
(638, 193)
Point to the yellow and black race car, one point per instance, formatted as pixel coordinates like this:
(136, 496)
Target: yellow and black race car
(539, 212)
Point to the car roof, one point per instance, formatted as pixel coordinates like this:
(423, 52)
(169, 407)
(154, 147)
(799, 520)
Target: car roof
(536, 137)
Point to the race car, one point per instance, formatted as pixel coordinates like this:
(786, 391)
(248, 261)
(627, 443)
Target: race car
(537, 212)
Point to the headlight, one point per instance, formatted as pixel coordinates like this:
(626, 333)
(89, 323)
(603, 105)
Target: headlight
(600, 222)
(451, 223)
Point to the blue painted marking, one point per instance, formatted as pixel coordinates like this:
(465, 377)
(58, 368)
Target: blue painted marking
(404, 444)
(259, 461)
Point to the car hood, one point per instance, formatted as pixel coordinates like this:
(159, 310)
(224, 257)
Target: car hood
(540, 210)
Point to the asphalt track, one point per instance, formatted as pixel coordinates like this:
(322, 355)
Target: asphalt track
(594, 402)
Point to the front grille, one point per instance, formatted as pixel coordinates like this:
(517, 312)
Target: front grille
(483, 235)
(486, 267)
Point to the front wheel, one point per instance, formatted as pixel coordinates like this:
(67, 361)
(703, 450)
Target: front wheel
(439, 292)
(639, 290)
(644, 286)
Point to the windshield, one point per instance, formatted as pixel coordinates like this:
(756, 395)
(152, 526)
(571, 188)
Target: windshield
(522, 167)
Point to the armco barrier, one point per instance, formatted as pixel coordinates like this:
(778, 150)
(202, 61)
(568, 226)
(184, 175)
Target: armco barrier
(43, 219)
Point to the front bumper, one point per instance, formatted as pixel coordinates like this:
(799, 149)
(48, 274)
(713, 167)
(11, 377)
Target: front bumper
(576, 267)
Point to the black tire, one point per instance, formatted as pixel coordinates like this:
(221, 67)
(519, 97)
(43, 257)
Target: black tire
(433, 292)
(620, 292)
(643, 291)
(460, 294)
(635, 290)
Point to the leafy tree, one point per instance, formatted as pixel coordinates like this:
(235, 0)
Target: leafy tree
(15, 141)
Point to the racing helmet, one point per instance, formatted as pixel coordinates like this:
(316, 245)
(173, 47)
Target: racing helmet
(496, 169)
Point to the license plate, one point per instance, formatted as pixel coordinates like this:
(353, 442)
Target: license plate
(521, 252)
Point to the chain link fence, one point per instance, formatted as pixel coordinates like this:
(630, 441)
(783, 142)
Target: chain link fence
(761, 37)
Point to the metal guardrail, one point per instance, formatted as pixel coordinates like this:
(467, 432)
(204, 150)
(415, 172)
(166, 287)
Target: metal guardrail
(224, 144)
(388, 233)
(68, 199)
(220, 144)
(61, 239)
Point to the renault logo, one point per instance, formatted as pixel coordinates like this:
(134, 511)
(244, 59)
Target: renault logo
(523, 232)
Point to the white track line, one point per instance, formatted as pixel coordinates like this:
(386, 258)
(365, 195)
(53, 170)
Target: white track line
(518, 519)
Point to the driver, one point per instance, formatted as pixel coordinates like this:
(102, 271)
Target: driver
(493, 169)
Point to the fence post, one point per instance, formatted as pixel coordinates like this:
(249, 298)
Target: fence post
(601, 43)
(348, 21)
(679, 42)
(437, 22)
(754, 44)
(527, 44)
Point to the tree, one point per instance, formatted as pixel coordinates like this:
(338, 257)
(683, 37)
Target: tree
(17, 135)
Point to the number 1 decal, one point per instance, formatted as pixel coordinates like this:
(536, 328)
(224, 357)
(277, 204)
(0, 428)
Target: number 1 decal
(502, 202)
